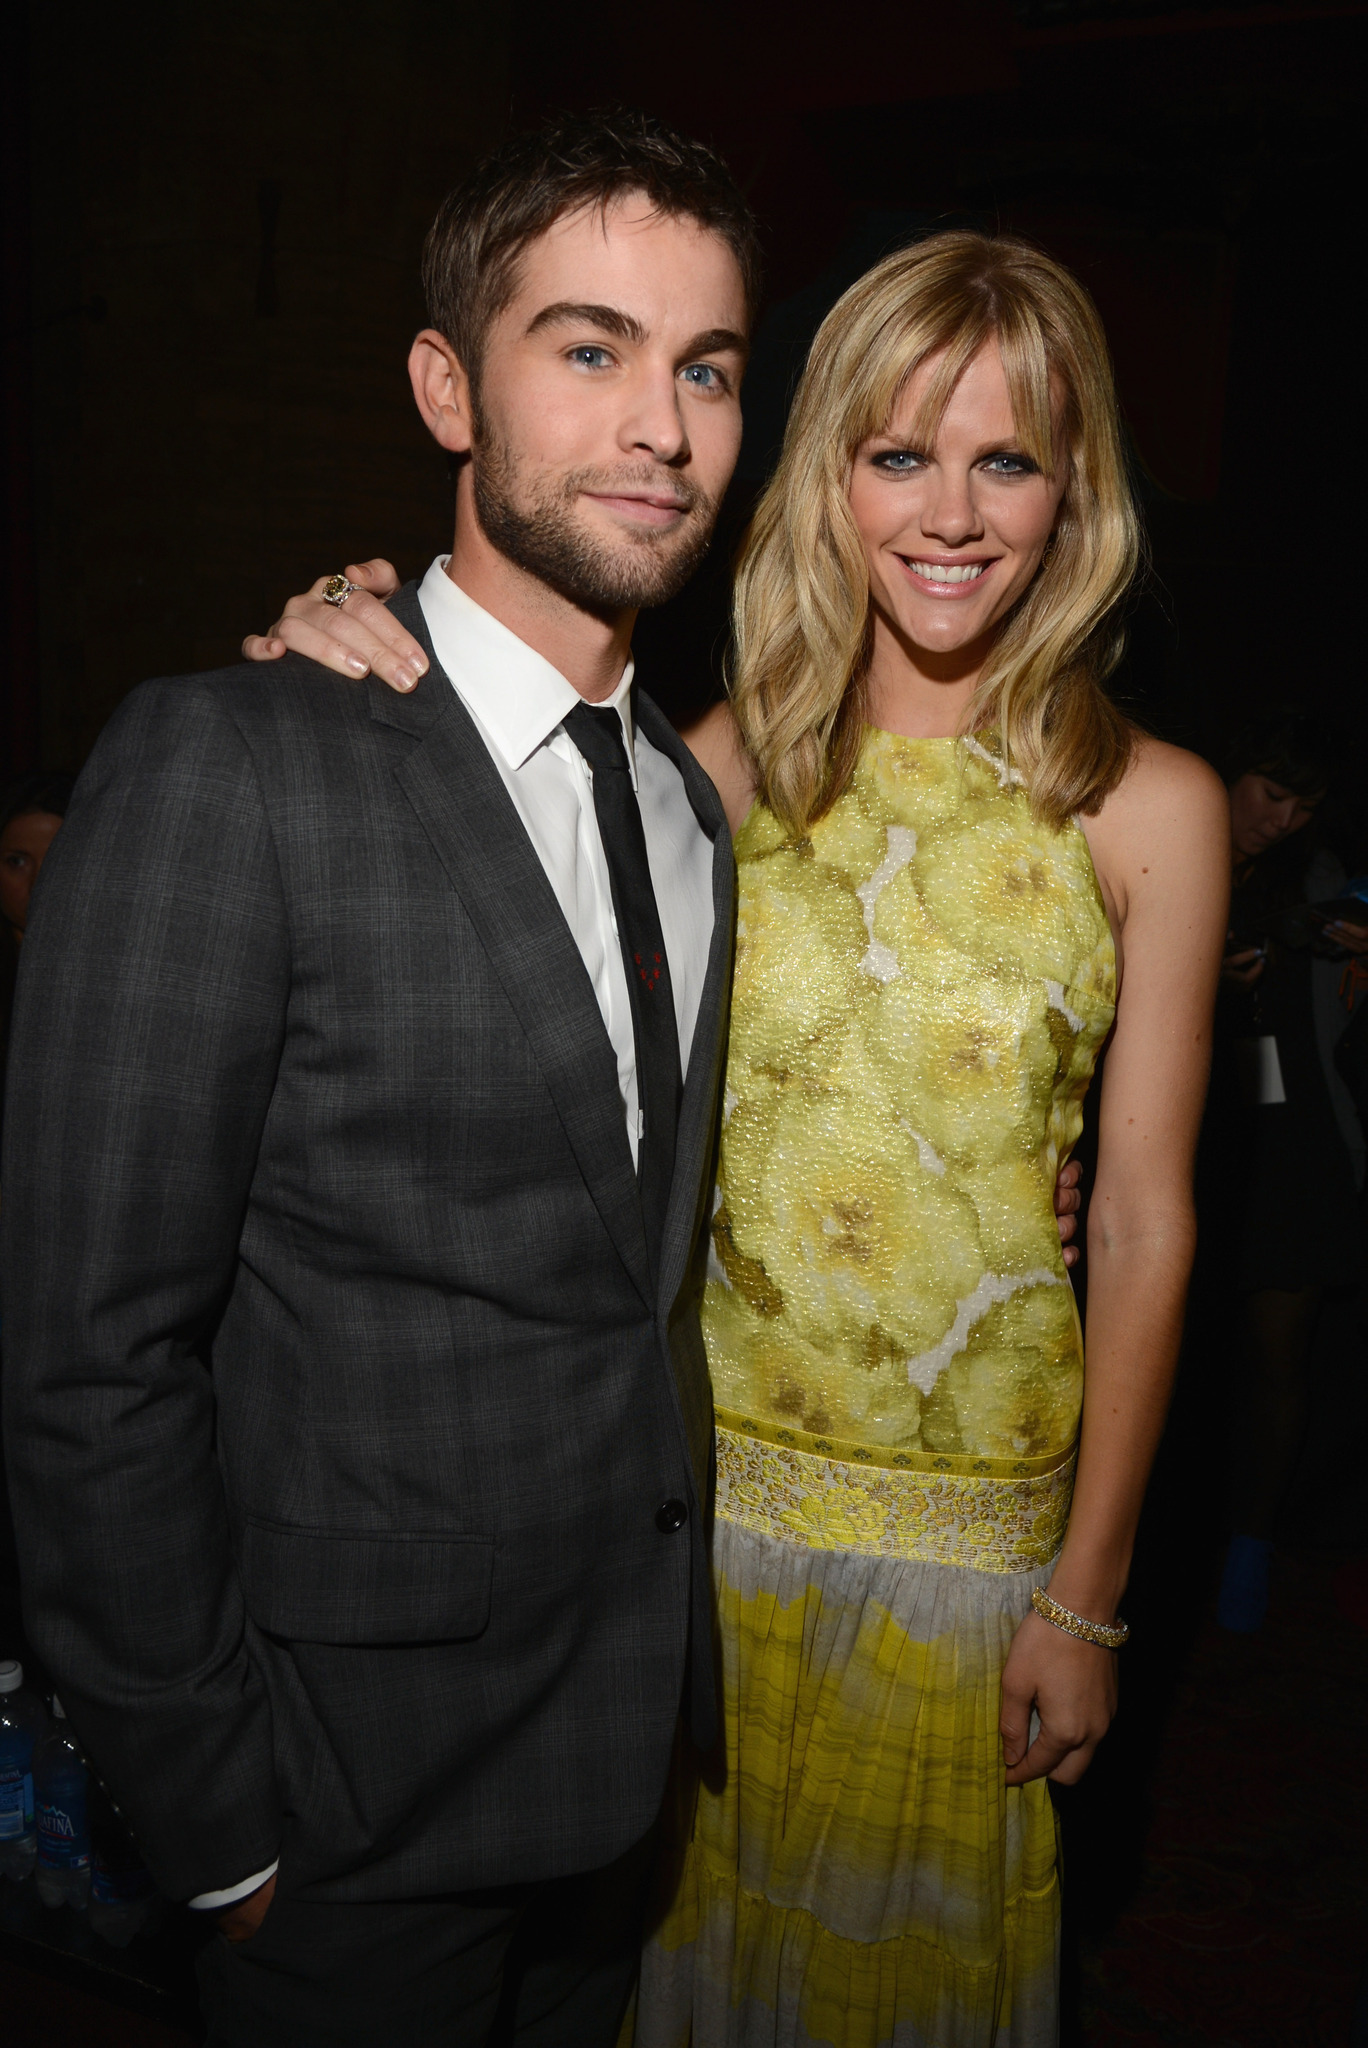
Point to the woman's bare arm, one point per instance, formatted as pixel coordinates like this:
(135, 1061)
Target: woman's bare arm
(354, 639)
(1161, 847)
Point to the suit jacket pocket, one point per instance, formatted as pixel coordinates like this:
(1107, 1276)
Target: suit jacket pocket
(333, 1586)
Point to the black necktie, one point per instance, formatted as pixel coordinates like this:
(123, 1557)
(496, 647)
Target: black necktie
(598, 735)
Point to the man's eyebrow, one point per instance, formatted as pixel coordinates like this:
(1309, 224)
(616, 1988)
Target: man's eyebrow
(716, 341)
(608, 320)
(612, 320)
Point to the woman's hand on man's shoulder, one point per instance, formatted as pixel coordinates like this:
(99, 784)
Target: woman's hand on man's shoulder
(356, 638)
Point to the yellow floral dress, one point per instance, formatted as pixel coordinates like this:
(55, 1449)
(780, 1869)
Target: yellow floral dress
(922, 985)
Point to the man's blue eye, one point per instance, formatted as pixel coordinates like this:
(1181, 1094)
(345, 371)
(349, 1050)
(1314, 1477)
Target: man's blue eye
(590, 355)
(706, 375)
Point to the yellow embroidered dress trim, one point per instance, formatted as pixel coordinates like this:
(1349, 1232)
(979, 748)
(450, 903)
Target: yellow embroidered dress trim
(990, 1514)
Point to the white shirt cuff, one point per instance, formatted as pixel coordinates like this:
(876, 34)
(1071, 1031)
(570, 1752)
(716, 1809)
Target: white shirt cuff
(214, 1902)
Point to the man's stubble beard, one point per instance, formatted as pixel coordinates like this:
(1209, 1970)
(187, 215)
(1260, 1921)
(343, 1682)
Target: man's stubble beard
(534, 525)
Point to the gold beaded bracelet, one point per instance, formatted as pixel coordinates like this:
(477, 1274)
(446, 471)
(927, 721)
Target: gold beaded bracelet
(1107, 1635)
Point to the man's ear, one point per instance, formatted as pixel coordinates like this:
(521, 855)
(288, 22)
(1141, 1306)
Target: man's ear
(441, 391)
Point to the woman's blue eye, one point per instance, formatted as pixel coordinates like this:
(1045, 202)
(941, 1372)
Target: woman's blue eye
(1011, 465)
(897, 461)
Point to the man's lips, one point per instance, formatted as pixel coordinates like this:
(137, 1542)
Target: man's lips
(647, 508)
(947, 577)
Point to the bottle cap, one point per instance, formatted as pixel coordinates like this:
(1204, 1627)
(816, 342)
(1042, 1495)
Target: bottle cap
(58, 1710)
(11, 1674)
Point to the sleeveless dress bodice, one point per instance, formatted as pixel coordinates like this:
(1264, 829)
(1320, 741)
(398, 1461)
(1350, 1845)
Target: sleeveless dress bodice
(922, 986)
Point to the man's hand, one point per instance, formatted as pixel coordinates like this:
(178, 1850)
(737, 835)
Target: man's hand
(240, 1921)
(354, 639)
(1072, 1687)
(1068, 1200)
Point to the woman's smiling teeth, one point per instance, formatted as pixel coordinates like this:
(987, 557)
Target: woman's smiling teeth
(947, 572)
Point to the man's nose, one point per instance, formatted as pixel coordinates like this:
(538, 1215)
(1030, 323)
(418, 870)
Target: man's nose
(653, 422)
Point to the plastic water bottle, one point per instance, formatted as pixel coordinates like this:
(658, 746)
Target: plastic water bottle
(60, 1786)
(22, 1721)
(121, 1888)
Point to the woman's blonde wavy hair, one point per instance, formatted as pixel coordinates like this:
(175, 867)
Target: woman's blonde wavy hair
(802, 625)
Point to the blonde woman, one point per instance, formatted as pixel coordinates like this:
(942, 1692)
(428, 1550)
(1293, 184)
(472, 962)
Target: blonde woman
(961, 871)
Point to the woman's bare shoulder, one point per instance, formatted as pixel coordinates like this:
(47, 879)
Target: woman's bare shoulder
(716, 745)
(1165, 789)
(1165, 826)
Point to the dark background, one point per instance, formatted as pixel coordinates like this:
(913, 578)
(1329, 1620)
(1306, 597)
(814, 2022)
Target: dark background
(213, 226)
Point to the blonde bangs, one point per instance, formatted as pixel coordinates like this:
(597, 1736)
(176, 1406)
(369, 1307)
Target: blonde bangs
(801, 610)
(1026, 366)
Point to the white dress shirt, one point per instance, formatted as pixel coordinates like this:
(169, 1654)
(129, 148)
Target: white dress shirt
(518, 703)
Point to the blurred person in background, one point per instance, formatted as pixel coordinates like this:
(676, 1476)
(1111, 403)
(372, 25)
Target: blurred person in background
(1279, 1115)
(31, 812)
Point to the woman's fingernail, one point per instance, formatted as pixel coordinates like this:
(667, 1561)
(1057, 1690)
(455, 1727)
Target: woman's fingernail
(356, 665)
(405, 678)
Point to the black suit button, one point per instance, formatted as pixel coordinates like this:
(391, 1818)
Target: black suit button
(673, 1515)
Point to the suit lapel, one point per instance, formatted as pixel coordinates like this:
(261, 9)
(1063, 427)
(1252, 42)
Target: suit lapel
(692, 1188)
(467, 813)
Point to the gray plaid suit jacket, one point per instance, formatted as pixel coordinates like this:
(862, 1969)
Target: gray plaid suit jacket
(339, 1399)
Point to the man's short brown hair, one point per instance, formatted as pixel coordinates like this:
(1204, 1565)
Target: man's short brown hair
(470, 258)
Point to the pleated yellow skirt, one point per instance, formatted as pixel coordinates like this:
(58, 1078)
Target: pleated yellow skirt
(852, 1871)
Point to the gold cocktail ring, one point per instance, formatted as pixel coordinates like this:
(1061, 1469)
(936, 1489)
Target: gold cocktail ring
(337, 590)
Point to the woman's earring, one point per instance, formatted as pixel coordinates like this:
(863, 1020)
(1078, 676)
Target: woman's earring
(1048, 550)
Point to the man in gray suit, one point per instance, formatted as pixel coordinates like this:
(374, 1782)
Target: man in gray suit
(362, 1105)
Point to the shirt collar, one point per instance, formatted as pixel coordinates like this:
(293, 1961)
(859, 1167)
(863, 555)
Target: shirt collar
(518, 698)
